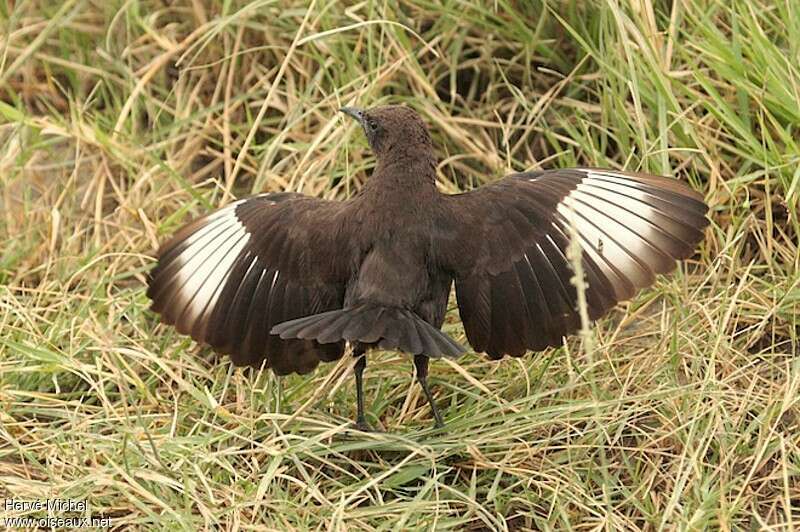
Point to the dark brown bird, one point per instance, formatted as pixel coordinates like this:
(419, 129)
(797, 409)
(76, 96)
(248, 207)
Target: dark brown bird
(284, 280)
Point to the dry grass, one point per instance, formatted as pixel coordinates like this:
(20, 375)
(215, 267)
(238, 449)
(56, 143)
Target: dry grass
(122, 120)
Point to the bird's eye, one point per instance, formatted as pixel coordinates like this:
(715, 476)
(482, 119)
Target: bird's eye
(373, 125)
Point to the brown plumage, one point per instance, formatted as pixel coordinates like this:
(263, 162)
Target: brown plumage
(285, 280)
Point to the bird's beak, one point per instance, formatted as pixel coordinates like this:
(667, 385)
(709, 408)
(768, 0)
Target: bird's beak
(354, 112)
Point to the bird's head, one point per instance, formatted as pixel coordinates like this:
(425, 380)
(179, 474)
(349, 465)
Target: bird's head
(392, 129)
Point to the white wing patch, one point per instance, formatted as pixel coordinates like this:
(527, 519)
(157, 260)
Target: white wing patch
(205, 263)
(617, 227)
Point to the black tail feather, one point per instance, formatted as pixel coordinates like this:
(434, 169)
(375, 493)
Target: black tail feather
(389, 327)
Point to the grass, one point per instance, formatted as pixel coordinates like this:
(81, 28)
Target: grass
(120, 121)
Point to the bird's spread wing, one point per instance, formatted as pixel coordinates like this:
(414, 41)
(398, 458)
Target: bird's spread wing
(506, 246)
(227, 278)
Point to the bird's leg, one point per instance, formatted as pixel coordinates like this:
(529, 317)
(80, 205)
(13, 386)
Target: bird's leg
(421, 364)
(361, 363)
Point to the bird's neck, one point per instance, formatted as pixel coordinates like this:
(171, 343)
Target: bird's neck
(414, 172)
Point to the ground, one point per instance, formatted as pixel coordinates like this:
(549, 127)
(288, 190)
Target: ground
(120, 121)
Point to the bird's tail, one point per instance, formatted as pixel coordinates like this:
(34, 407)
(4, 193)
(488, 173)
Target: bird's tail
(369, 323)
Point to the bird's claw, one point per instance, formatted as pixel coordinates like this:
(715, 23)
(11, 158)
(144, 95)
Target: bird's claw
(363, 426)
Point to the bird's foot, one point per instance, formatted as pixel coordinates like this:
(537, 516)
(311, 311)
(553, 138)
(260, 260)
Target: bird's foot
(363, 426)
